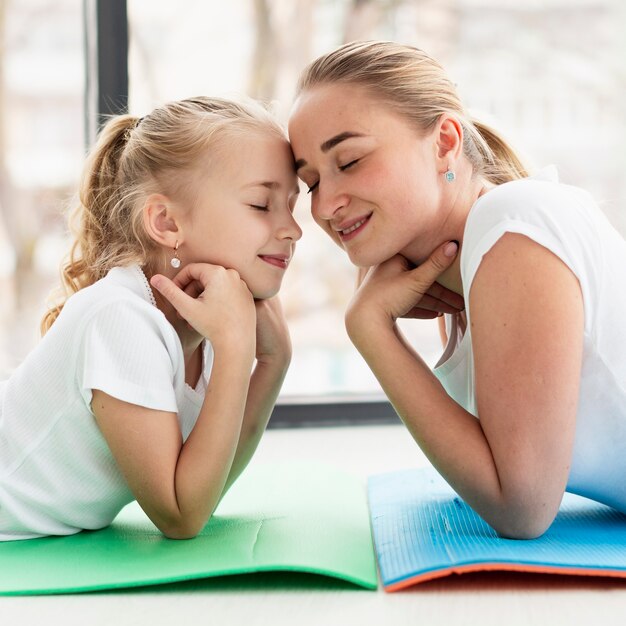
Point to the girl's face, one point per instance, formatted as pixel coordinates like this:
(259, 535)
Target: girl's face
(375, 183)
(242, 217)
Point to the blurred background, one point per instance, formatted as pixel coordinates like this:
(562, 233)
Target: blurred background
(551, 74)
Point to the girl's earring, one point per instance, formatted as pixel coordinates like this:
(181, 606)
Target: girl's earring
(449, 175)
(175, 261)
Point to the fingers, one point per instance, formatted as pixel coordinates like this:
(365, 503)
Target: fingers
(434, 305)
(417, 313)
(194, 289)
(171, 292)
(437, 263)
(199, 272)
(444, 296)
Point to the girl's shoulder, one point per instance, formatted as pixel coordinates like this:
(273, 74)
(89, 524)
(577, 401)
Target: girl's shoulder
(121, 284)
(122, 297)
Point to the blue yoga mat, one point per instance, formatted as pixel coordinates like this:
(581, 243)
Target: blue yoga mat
(423, 530)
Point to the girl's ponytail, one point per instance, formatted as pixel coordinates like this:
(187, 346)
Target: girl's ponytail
(99, 193)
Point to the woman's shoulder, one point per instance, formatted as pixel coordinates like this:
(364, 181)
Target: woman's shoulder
(537, 199)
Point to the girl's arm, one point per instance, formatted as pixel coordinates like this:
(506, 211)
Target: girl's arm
(273, 355)
(178, 485)
(512, 465)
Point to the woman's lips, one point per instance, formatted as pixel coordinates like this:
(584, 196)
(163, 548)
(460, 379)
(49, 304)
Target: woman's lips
(277, 261)
(352, 230)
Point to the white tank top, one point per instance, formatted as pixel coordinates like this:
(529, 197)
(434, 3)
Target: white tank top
(566, 221)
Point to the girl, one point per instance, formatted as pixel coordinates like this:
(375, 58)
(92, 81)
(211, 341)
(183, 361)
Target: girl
(141, 386)
(530, 396)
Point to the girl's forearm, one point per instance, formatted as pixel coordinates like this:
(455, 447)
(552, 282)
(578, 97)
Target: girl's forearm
(265, 384)
(206, 458)
(450, 436)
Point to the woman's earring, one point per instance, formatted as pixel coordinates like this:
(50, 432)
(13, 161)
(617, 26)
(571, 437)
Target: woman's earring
(450, 176)
(175, 262)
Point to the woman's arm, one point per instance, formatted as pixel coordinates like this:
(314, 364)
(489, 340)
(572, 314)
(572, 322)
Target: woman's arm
(527, 331)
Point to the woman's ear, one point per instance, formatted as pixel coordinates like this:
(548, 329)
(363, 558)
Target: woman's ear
(449, 137)
(160, 221)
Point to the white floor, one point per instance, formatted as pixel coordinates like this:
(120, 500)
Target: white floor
(299, 600)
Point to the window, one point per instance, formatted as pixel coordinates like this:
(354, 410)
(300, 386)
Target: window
(41, 151)
(528, 68)
(549, 74)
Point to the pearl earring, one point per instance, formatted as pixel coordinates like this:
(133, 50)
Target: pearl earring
(450, 176)
(175, 261)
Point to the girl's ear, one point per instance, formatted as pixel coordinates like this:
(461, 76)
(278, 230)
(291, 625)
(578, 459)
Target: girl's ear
(160, 222)
(449, 138)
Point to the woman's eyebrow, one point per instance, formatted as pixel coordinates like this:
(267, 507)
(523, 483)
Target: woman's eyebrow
(331, 143)
(337, 139)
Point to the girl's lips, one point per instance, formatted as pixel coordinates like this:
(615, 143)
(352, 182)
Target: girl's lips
(350, 232)
(278, 261)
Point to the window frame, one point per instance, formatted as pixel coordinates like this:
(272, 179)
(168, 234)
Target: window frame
(106, 94)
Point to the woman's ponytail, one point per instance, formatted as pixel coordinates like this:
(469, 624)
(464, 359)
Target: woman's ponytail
(501, 163)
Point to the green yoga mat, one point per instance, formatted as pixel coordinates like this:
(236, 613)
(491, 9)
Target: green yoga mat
(283, 517)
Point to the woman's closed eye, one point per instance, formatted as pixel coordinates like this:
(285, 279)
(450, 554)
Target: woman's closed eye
(311, 188)
(260, 207)
(349, 164)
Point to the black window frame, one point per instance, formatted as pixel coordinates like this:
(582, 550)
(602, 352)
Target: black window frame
(106, 93)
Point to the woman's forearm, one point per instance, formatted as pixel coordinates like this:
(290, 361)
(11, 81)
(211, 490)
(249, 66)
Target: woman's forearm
(450, 436)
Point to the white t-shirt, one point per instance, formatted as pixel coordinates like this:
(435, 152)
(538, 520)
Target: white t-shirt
(566, 221)
(57, 474)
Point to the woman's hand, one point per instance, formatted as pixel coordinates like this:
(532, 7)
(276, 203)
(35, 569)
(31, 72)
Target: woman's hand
(436, 301)
(273, 344)
(393, 290)
(213, 300)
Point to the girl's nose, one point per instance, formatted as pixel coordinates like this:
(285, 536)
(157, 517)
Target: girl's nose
(290, 229)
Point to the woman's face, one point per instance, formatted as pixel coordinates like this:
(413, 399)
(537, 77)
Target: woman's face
(375, 183)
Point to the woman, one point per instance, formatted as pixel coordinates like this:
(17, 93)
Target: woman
(530, 398)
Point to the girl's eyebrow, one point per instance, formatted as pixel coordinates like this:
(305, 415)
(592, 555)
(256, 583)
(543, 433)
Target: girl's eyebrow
(268, 184)
(331, 143)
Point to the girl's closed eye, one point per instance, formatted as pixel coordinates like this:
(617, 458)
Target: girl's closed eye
(261, 206)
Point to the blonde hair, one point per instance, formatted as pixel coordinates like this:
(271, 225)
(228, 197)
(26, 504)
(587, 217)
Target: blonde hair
(133, 158)
(416, 86)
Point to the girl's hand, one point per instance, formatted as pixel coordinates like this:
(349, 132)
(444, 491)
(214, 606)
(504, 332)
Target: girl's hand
(436, 301)
(393, 290)
(272, 335)
(213, 300)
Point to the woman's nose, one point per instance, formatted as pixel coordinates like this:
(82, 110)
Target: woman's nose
(327, 202)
